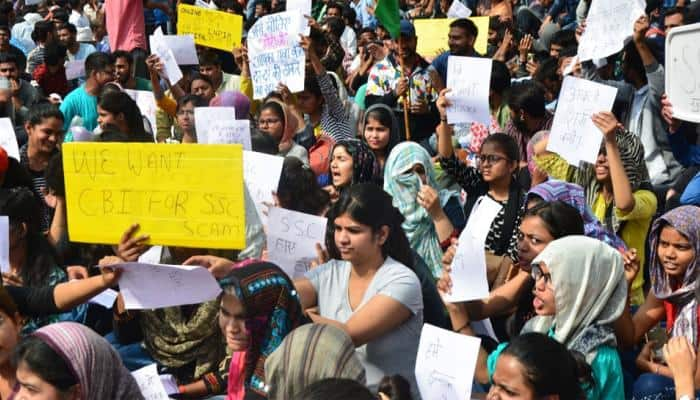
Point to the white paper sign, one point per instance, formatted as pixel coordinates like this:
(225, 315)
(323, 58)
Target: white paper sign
(152, 255)
(8, 138)
(183, 48)
(227, 132)
(275, 54)
(105, 299)
(169, 383)
(4, 244)
(161, 49)
(261, 174)
(608, 25)
(445, 364)
(469, 78)
(468, 269)
(147, 286)
(75, 69)
(292, 238)
(303, 6)
(683, 71)
(573, 135)
(147, 104)
(149, 383)
(458, 10)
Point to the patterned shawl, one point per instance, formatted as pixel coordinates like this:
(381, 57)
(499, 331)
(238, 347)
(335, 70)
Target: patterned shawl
(685, 220)
(92, 360)
(403, 186)
(590, 293)
(365, 167)
(272, 311)
(572, 194)
(309, 354)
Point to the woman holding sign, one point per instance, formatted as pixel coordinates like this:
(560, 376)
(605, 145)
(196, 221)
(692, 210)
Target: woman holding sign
(368, 289)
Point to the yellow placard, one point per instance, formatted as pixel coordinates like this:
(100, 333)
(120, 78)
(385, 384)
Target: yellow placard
(188, 195)
(432, 35)
(217, 29)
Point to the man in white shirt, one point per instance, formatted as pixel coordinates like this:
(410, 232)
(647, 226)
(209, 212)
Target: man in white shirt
(67, 35)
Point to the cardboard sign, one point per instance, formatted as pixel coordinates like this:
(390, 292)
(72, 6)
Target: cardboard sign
(683, 71)
(210, 28)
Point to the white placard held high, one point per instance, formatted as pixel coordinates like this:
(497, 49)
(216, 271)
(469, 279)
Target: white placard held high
(75, 69)
(8, 138)
(291, 239)
(160, 48)
(445, 364)
(146, 286)
(275, 54)
(4, 244)
(469, 78)
(227, 132)
(261, 174)
(147, 104)
(183, 48)
(573, 135)
(608, 25)
(683, 71)
(458, 10)
(206, 117)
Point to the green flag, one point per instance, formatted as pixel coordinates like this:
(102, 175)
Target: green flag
(387, 13)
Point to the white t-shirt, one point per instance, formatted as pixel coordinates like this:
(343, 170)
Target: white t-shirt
(79, 20)
(395, 352)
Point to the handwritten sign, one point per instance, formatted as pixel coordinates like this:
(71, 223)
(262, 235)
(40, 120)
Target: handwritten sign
(574, 136)
(105, 299)
(183, 48)
(8, 138)
(275, 54)
(217, 125)
(75, 69)
(608, 24)
(468, 272)
(217, 29)
(261, 174)
(147, 286)
(469, 78)
(147, 104)
(292, 238)
(432, 34)
(683, 71)
(303, 6)
(170, 68)
(4, 244)
(458, 10)
(164, 188)
(149, 383)
(445, 364)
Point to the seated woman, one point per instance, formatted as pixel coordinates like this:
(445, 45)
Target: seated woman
(120, 110)
(380, 130)
(675, 244)
(276, 121)
(257, 310)
(494, 177)
(432, 217)
(380, 306)
(533, 366)
(580, 292)
(295, 365)
(33, 260)
(67, 360)
(352, 161)
(617, 187)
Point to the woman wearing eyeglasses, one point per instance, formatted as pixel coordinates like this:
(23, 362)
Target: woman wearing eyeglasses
(579, 293)
(278, 122)
(493, 177)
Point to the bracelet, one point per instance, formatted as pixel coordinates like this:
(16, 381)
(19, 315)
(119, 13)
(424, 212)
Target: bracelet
(462, 328)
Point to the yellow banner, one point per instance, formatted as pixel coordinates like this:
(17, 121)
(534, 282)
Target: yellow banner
(432, 35)
(188, 195)
(217, 29)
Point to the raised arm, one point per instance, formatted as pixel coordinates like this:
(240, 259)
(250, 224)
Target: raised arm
(622, 189)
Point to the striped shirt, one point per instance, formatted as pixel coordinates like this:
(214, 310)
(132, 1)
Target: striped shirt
(38, 188)
(335, 121)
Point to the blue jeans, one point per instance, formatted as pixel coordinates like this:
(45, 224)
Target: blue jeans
(133, 355)
(654, 387)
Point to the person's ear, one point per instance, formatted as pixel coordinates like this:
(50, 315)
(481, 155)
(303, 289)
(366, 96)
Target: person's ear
(28, 128)
(383, 234)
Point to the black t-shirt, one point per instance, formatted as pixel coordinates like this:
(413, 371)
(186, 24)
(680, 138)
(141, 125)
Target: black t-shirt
(33, 302)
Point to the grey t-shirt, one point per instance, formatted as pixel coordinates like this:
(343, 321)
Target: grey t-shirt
(395, 352)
